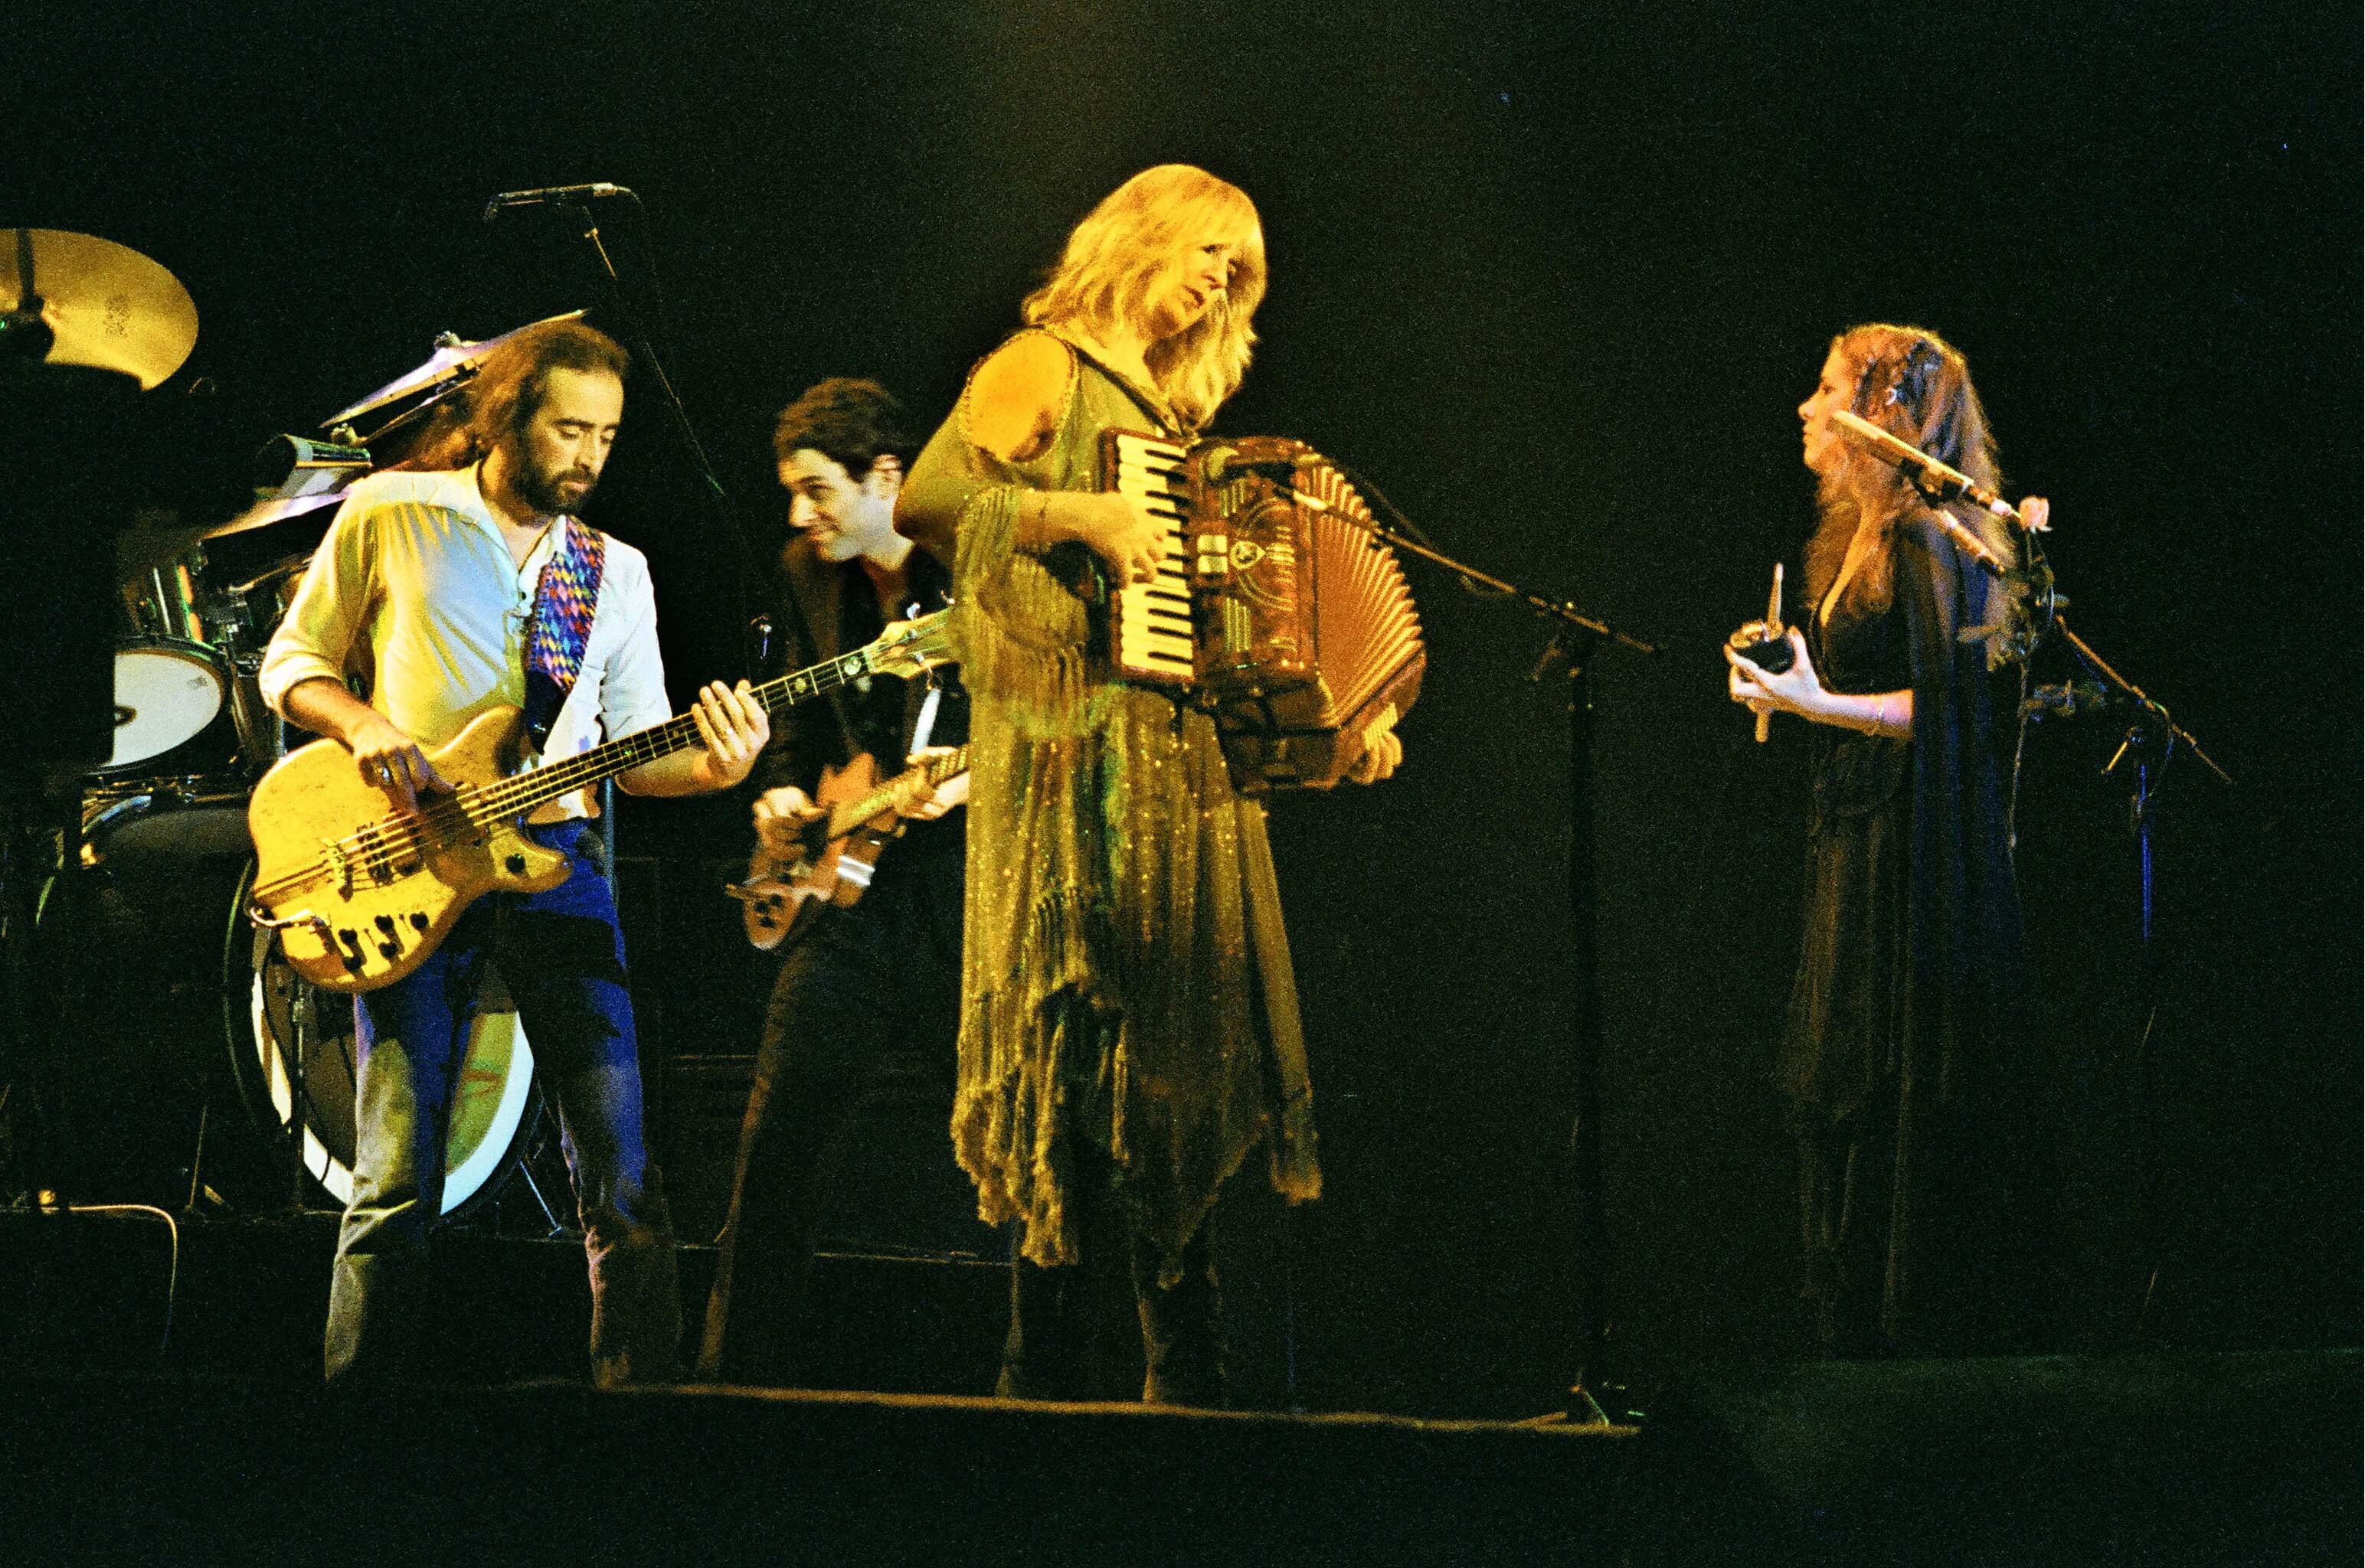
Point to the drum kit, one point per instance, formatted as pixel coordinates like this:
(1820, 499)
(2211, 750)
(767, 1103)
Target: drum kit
(162, 818)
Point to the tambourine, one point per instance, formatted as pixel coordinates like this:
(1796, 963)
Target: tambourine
(1767, 647)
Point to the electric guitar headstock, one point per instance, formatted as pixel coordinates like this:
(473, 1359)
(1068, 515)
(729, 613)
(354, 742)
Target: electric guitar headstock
(911, 647)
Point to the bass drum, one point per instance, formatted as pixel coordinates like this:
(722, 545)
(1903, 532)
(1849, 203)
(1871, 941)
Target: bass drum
(185, 973)
(293, 1033)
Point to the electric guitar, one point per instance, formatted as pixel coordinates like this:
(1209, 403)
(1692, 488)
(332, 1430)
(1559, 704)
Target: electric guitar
(361, 891)
(832, 864)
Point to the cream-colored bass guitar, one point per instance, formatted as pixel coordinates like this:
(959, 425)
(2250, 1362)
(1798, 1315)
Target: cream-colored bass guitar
(361, 891)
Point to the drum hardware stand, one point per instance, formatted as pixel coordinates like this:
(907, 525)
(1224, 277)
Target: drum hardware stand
(299, 1029)
(550, 1216)
(23, 333)
(292, 1053)
(1575, 639)
(343, 434)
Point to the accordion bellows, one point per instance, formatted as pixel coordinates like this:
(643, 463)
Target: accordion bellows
(1275, 609)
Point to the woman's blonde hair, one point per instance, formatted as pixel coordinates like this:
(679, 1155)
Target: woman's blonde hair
(1917, 387)
(1103, 279)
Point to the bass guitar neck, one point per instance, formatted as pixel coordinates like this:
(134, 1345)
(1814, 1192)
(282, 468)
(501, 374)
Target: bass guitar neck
(361, 890)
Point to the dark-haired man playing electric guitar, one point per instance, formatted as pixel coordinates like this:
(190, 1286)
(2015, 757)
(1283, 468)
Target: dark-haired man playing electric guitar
(869, 991)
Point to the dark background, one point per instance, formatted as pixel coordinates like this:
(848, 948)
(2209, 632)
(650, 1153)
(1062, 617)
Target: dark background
(1554, 276)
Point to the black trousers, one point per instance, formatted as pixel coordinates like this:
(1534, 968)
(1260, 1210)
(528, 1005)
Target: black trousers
(865, 1006)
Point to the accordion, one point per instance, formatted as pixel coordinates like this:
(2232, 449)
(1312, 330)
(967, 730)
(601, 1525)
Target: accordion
(1275, 609)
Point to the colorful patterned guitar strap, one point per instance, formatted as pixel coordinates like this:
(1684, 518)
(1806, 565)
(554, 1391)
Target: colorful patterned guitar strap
(563, 601)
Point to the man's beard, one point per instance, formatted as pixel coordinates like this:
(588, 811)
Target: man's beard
(542, 492)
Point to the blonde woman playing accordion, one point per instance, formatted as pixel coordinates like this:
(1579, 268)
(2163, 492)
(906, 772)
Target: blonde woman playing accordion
(1129, 1029)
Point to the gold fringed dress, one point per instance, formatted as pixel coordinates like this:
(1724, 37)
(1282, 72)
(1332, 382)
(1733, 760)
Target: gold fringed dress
(1125, 979)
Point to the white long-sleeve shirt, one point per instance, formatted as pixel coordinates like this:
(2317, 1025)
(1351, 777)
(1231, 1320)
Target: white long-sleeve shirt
(415, 588)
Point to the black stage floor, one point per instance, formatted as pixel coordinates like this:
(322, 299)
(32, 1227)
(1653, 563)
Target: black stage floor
(125, 1440)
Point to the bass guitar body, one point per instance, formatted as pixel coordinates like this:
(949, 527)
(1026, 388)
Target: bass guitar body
(362, 891)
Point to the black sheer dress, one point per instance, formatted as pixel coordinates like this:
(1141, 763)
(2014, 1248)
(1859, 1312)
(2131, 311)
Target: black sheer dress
(1911, 1095)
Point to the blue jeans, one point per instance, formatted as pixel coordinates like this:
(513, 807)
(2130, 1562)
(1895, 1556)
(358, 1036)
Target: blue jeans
(563, 960)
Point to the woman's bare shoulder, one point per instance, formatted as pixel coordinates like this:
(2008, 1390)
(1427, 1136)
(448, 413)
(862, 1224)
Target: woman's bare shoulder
(1014, 399)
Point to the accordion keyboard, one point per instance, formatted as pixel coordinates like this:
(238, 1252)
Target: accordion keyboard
(1150, 621)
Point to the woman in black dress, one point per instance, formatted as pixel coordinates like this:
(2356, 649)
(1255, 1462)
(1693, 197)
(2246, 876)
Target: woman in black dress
(1911, 1094)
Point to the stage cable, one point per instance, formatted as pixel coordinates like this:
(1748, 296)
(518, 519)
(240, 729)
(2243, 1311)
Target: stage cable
(172, 1277)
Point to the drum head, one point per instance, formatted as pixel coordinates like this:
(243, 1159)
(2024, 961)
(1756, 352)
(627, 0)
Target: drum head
(294, 1033)
(166, 694)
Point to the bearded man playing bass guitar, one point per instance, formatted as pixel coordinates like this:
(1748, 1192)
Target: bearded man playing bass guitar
(454, 590)
(869, 992)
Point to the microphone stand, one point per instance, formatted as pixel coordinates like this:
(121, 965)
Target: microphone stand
(635, 332)
(1577, 638)
(799, 630)
(2152, 739)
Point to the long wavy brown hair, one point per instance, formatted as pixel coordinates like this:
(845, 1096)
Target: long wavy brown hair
(1103, 278)
(1914, 384)
(507, 389)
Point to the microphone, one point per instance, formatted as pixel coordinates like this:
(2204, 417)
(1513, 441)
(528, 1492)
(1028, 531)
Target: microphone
(1949, 483)
(1945, 484)
(550, 196)
(2065, 700)
(1222, 463)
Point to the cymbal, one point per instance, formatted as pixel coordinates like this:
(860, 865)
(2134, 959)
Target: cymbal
(452, 359)
(262, 514)
(111, 307)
